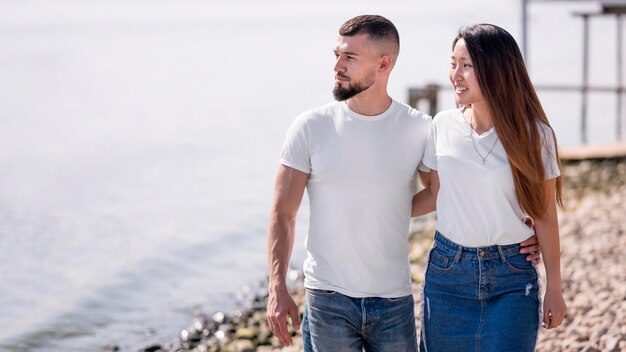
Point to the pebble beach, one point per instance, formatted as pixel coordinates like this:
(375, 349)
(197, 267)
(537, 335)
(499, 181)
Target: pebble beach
(593, 264)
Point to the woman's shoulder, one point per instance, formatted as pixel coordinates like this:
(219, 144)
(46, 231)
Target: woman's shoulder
(546, 133)
(446, 116)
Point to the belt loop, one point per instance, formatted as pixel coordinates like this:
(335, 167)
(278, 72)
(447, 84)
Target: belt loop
(458, 254)
(502, 256)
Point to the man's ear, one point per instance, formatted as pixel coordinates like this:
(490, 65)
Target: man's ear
(385, 63)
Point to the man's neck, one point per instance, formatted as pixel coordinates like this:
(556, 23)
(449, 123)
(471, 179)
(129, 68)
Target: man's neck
(369, 104)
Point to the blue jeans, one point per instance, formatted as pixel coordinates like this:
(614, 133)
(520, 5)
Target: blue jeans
(479, 299)
(335, 322)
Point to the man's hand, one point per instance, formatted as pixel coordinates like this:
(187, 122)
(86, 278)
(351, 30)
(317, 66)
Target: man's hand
(280, 305)
(531, 247)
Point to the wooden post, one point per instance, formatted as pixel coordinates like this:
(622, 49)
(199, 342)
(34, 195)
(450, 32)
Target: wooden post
(620, 85)
(585, 78)
(428, 93)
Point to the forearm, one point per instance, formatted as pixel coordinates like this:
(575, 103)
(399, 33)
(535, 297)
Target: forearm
(548, 235)
(551, 258)
(288, 192)
(280, 244)
(423, 202)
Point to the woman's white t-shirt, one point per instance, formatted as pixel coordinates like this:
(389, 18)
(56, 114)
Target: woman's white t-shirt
(477, 205)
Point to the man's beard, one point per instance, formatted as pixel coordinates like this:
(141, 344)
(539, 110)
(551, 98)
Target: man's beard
(342, 94)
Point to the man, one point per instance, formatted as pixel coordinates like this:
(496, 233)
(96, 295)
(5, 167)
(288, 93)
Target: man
(358, 158)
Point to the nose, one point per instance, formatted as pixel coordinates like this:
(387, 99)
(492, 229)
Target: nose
(339, 66)
(455, 74)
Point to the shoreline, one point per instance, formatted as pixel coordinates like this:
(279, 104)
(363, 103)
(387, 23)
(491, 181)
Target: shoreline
(593, 242)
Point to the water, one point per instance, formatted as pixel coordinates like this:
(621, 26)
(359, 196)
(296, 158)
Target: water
(139, 141)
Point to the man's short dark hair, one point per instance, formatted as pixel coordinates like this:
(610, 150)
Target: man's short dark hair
(376, 27)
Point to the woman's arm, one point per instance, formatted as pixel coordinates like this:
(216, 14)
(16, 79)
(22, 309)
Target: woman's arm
(547, 230)
(425, 201)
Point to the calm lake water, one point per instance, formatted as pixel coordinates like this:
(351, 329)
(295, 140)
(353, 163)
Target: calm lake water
(139, 141)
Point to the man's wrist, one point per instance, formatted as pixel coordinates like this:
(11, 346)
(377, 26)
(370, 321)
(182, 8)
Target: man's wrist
(278, 287)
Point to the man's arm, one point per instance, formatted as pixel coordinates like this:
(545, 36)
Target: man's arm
(531, 245)
(288, 192)
(425, 200)
(424, 178)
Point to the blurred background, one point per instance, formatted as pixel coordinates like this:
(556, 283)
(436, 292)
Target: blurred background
(139, 141)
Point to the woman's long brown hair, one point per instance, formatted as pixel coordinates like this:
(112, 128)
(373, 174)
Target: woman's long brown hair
(515, 111)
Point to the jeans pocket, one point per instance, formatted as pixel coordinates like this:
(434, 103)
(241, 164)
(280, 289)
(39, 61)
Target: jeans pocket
(440, 260)
(318, 292)
(397, 300)
(517, 263)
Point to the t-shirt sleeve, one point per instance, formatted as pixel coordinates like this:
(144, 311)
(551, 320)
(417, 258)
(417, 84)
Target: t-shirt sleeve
(548, 152)
(422, 167)
(430, 154)
(295, 152)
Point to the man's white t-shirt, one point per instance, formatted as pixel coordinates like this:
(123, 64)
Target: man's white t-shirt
(477, 205)
(362, 173)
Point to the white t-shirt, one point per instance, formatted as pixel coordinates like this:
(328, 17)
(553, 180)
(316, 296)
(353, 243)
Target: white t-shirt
(477, 205)
(362, 176)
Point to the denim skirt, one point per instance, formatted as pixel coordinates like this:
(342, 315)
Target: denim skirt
(479, 299)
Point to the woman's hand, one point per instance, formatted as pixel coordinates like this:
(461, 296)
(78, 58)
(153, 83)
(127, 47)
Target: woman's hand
(554, 308)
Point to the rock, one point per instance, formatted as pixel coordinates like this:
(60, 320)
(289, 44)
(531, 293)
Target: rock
(200, 321)
(246, 333)
(264, 349)
(244, 346)
(590, 349)
(153, 348)
(612, 344)
(219, 317)
(598, 333)
(184, 335)
(264, 336)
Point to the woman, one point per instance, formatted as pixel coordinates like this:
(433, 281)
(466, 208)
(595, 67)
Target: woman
(495, 163)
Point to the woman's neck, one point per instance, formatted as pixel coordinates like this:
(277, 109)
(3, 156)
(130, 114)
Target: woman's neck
(479, 118)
